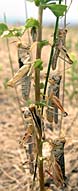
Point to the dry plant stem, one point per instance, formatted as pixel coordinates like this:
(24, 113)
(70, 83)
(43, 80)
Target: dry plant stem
(10, 60)
(35, 168)
(37, 99)
(26, 15)
(40, 163)
(38, 55)
(38, 131)
(41, 174)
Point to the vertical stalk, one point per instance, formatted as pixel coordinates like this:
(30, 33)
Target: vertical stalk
(39, 158)
(51, 56)
(63, 76)
(50, 60)
(38, 55)
(64, 62)
(26, 15)
(37, 99)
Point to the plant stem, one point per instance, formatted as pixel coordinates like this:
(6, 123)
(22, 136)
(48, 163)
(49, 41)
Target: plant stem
(17, 97)
(50, 60)
(51, 56)
(64, 61)
(26, 15)
(38, 55)
(41, 174)
(63, 76)
(37, 99)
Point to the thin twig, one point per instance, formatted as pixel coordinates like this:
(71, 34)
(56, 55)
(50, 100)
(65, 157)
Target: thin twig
(64, 68)
(69, 5)
(26, 16)
(12, 70)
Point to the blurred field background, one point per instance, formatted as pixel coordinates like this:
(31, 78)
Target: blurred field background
(13, 176)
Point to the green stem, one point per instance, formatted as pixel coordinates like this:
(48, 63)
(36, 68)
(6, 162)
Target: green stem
(38, 55)
(51, 55)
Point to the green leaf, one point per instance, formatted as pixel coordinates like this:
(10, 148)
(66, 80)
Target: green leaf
(41, 85)
(57, 9)
(31, 22)
(28, 102)
(47, 1)
(7, 34)
(38, 64)
(42, 103)
(37, 2)
(18, 31)
(43, 43)
(3, 27)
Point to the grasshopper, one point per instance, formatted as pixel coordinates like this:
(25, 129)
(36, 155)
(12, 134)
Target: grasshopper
(54, 87)
(58, 151)
(23, 75)
(60, 47)
(35, 129)
(24, 56)
(56, 162)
